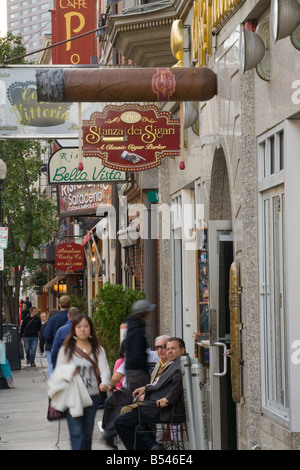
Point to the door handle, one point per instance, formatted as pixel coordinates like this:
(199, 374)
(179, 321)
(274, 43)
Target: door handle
(207, 344)
(221, 374)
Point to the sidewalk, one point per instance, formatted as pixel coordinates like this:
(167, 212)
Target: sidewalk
(23, 411)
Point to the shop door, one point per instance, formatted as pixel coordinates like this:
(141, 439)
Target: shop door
(222, 409)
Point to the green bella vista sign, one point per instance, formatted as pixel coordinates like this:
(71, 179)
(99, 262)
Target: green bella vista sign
(63, 169)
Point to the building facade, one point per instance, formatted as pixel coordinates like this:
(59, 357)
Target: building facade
(228, 272)
(31, 19)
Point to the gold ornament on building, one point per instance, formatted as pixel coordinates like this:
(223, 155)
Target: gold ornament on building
(235, 333)
(177, 42)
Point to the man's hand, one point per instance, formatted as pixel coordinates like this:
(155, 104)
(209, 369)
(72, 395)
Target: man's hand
(139, 391)
(162, 402)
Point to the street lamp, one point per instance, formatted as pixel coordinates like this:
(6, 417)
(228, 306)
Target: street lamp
(3, 171)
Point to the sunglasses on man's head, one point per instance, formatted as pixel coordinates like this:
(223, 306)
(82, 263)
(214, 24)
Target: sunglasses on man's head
(162, 346)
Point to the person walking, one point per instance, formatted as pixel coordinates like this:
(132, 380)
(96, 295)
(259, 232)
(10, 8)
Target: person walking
(5, 366)
(44, 318)
(137, 366)
(62, 333)
(29, 332)
(57, 320)
(75, 366)
(45, 345)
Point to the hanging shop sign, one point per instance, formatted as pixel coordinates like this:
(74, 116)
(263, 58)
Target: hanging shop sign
(70, 19)
(84, 199)
(131, 137)
(22, 116)
(63, 169)
(69, 257)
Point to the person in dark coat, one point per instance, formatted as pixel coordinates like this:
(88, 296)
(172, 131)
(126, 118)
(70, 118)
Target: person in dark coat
(57, 320)
(136, 344)
(155, 401)
(62, 333)
(30, 330)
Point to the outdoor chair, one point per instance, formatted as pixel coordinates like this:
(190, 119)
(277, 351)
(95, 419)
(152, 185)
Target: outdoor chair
(171, 434)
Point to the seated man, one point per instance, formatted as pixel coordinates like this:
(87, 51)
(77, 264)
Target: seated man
(119, 398)
(156, 400)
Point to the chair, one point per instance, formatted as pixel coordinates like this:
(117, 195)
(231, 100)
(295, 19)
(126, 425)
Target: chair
(173, 434)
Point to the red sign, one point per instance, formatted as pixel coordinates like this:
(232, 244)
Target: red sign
(69, 257)
(70, 19)
(131, 137)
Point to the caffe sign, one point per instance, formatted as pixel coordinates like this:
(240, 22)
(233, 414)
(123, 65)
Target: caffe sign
(131, 137)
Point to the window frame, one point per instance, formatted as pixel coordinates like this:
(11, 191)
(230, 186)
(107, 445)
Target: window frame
(272, 255)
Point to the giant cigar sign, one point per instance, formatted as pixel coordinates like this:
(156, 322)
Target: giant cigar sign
(131, 137)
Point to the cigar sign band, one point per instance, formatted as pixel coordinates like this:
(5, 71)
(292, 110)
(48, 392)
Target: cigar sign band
(131, 137)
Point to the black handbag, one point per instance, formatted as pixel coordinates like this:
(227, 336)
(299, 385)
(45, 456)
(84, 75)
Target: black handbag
(53, 414)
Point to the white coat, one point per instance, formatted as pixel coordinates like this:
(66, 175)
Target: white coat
(67, 391)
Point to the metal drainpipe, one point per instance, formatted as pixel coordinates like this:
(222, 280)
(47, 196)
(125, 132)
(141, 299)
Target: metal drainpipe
(150, 275)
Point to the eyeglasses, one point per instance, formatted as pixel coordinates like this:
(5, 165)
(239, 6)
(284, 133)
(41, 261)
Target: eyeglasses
(162, 346)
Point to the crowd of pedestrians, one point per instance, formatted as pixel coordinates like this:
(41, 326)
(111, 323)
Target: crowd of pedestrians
(144, 386)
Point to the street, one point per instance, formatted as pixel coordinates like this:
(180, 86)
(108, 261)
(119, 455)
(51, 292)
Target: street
(23, 410)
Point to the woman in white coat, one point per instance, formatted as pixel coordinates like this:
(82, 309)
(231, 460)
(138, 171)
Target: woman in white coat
(79, 348)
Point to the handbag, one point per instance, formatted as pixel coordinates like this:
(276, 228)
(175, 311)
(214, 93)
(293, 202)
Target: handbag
(53, 414)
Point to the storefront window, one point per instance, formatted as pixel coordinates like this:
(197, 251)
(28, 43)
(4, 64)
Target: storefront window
(272, 275)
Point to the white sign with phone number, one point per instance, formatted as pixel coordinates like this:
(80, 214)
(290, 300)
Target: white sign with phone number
(3, 237)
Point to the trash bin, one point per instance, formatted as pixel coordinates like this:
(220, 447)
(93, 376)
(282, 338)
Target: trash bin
(11, 340)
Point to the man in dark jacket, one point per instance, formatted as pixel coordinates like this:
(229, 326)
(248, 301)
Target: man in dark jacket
(155, 401)
(57, 320)
(136, 344)
(62, 333)
(30, 329)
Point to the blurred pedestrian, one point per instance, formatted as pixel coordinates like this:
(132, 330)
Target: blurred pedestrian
(45, 345)
(57, 320)
(30, 329)
(44, 318)
(137, 366)
(4, 318)
(5, 366)
(62, 333)
(26, 306)
(75, 360)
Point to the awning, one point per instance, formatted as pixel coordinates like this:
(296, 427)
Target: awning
(52, 282)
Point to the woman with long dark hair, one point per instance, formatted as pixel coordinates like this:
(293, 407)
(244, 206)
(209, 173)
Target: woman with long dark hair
(79, 348)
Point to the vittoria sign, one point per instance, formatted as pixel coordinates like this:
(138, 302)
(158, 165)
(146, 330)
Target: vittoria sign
(131, 137)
